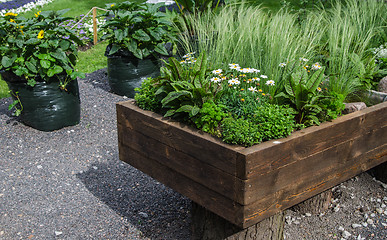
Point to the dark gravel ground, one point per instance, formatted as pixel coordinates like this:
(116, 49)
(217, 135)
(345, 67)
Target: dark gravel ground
(70, 184)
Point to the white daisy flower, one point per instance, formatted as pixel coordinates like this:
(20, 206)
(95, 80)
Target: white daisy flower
(304, 59)
(270, 83)
(256, 79)
(234, 81)
(316, 66)
(282, 65)
(252, 89)
(217, 71)
(263, 76)
(216, 79)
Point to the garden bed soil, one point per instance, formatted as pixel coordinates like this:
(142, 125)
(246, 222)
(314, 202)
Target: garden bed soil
(247, 185)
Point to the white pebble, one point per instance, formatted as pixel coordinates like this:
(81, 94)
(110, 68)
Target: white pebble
(370, 221)
(346, 234)
(364, 224)
(57, 233)
(355, 225)
(39, 166)
(373, 215)
(383, 205)
(341, 228)
(142, 214)
(308, 214)
(95, 168)
(379, 210)
(296, 222)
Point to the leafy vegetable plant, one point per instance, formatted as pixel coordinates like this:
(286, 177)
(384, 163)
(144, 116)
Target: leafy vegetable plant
(138, 28)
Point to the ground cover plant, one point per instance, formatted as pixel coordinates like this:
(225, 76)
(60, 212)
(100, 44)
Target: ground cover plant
(259, 76)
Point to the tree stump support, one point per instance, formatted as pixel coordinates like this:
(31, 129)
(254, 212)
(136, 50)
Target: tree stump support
(209, 226)
(316, 204)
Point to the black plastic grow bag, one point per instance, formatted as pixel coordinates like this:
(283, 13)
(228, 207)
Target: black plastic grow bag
(46, 107)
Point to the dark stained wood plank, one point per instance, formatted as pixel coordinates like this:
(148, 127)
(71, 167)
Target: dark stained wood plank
(212, 200)
(311, 169)
(284, 199)
(179, 136)
(201, 172)
(267, 156)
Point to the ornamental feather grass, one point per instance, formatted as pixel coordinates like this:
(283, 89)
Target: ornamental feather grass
(338, 38)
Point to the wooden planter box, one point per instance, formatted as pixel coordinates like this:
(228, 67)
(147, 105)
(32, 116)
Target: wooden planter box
(247, 185)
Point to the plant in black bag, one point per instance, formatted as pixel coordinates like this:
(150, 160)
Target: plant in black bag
(139, 29)
(38, 57)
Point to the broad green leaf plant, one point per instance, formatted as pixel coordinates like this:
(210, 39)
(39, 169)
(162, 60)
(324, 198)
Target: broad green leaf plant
(138, 28)
(303, 91)
(38, 49)
(185, 88)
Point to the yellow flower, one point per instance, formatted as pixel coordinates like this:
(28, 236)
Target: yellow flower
(242, 99)
(319, 89)
(41, 34)
(260, 90)
(112, 5)
(263, 94)
(37, 14)
(11, 20)
(11, 14)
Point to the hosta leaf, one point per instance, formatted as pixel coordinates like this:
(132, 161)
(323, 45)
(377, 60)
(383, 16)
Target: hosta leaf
(45, 63)
(141, 35)
(7, 62)
(114, 49)
(31, 67)
(160, 48)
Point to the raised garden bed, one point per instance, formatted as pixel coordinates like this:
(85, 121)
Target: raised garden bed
(247, 185)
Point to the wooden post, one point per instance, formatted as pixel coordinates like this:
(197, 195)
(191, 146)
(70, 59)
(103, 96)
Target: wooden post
(209, 226)
(316, 204)
(95, 25)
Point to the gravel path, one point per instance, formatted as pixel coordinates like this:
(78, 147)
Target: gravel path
(70, 184)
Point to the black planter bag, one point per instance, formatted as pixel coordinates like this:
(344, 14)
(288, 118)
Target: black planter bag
(46, 107)
(126, 72)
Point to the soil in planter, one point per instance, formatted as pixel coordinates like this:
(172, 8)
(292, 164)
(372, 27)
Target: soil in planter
(46, 107)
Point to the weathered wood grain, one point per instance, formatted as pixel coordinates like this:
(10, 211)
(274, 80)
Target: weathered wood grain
(213, 201)
(286, 198)
(309, 170)
(265, 157)
(222, 182)
(247, 185)
(179, 136)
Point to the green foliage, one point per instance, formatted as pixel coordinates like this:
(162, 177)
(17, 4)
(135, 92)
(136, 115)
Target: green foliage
(146, 95)
(274, 121)
(138, 28)
(302, 92)
(333, 105)
(240, 131)
(241, 103)
(209, 118)
(184, 88)
(38, 47)
(196, 6)
(269, 121)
